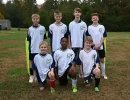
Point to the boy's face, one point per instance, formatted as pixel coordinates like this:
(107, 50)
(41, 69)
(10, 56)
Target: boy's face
(43, 49)
(95, 19)
(64, 43)
(35, 20)
(77, 14)
(87, 45)
(58, 17)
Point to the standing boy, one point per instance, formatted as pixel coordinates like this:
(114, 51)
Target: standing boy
(98, 33)
(77, 30)
(57, 30)
(89, 64)
(36, 34)
(63, 61)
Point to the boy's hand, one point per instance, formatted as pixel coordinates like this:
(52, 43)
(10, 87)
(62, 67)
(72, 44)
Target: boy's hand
(96, 47)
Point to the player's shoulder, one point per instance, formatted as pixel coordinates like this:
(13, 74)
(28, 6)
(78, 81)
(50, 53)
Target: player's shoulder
(70, 50)
(100, 25)
(41, 26)
(51, 25)
(64, 25)
(90, 26)
(49, 55)
(94, 51)
(72, 22)
(81, 51)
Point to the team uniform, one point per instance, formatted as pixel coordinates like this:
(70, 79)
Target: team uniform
(42, 65)
(88, 59)
(77, 32)
(56, 32)
(63, 62)
(35, 35)
(97, 33)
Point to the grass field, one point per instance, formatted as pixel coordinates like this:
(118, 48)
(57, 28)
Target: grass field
(14, 78)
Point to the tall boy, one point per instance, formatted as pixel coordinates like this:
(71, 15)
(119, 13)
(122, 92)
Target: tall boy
(77, 30)
(98, 33)
(36, 34)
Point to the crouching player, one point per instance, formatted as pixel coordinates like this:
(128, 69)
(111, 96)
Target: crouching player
(63, 58)
(89, 67)
(42, 67)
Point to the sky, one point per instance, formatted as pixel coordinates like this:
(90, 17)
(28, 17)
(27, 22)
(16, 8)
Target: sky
(38, 1)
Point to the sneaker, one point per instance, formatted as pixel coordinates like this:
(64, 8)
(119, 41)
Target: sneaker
(41, 88)
(31, 78)
(52, 90)
(74, 89)
(105, 77)
(96, 89)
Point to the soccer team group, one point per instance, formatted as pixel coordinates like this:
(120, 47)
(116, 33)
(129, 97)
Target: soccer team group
(77, 45)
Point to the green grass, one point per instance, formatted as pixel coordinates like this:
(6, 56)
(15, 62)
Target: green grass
(14, 78)
(17, 72)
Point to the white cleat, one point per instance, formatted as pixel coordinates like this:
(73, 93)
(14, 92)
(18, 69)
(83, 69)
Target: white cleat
(31, 78)
(105, 77)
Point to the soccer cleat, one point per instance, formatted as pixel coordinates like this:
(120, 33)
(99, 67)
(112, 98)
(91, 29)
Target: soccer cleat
(105, 77)
(41, 88)
(31, 78)
(74, 89)
(96, 89)
(52, 90)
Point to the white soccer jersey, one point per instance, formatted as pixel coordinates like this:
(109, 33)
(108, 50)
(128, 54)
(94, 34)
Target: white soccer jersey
(88, 60)
(97, 33)
(43, 65)
(57, 32)
(36, 35)
(63, 59)
(77, 31)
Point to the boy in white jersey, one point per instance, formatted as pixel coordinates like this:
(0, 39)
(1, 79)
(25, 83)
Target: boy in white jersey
(42, 67)
(89, 64)
(98, 33)
(77, 30)
(57, 30)
(63, 61)
(36, 34)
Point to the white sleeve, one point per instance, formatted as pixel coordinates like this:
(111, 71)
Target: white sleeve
(81, 56)
(50, 29)
(73, 55)
(85, 28)
(55, 59)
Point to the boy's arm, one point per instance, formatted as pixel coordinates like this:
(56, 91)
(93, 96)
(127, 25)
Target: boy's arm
(56, 66)
(81, 67)
(97, 60)
(34, 71)
(69, 38)
(104, 36)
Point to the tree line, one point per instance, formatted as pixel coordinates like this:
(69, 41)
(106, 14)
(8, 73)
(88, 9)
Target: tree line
(114, 14)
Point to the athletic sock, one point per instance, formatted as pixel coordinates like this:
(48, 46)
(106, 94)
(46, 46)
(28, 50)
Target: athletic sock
(31, 71)
(97, 81)
(103, 68)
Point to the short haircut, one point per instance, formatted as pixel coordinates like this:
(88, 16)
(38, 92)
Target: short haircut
(35, 15)
(43, 42)
(64, 38)
(57, 12)
(88, 39)
(77, 9)
(94, 14)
